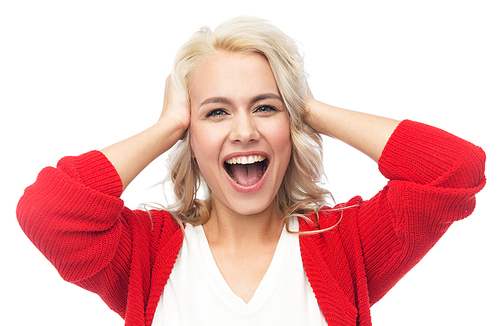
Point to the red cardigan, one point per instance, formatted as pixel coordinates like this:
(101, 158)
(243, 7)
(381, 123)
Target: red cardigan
(74, 215)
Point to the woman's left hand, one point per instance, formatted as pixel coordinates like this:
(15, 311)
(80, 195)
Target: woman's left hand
(365, 132)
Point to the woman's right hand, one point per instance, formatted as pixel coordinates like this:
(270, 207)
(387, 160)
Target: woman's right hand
(132, 155)
(175, 109)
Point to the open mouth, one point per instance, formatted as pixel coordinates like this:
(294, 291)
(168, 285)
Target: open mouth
(246, 170)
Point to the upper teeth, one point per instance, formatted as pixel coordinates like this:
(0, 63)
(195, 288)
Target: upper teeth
(246, 159)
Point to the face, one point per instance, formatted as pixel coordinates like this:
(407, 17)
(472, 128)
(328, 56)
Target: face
(240, 131)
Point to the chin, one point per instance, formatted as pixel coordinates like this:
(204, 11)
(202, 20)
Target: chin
(248, 207)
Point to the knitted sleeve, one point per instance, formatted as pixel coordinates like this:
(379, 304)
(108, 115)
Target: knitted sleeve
(74, 216)
(434, 177)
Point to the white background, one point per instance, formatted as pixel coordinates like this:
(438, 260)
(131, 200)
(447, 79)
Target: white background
(80, 75)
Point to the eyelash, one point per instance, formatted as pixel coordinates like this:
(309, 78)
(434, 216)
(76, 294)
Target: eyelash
(213, 113)
(272, 108)
(220, 112)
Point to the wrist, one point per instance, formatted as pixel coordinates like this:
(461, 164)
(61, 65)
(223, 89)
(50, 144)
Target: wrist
(168, 132)
(319, 115)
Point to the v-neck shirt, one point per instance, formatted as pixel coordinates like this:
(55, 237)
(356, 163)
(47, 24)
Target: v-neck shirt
(197, 293)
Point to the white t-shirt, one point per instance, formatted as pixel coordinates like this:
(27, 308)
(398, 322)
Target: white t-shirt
(197, 294)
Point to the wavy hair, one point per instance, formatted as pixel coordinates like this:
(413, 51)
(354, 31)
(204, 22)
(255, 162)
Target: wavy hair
(300, 189)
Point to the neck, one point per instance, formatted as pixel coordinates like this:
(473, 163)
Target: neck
(232, 230)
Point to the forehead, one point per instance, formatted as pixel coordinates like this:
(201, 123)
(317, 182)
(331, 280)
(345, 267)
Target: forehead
(232, 75)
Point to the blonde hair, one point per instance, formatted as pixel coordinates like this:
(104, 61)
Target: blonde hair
(300, 190)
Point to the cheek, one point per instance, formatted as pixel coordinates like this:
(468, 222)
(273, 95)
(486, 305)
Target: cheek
(204, 150)
(280, 137)
(204, 143)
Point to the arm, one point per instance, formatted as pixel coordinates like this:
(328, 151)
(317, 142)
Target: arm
(74, 215)
(365, 132)
(132, 155)
(433, 175)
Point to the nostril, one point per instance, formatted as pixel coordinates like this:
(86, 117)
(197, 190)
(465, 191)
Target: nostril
(245, 136)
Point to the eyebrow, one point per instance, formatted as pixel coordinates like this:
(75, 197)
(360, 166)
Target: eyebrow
(225, 100)
(266, 96)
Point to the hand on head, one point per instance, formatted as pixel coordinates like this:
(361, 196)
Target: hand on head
(175, 109)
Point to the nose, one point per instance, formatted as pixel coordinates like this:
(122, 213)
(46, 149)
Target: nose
(244, 130)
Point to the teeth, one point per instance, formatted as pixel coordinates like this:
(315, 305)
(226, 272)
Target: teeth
(246, 159)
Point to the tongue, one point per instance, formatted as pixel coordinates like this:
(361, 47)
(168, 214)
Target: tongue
(247, 174)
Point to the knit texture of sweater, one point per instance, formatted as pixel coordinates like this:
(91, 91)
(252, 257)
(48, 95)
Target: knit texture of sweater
(74, 215)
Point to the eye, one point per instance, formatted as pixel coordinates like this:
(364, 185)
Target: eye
(265, 108)
(216, 113)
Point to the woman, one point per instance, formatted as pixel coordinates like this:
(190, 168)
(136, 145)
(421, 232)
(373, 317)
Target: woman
(262, 247)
